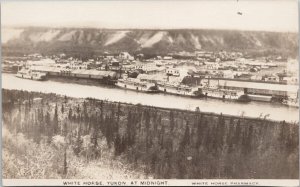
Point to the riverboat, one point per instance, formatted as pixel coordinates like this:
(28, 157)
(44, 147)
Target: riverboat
(29, 74)
(225, 94)
(136, 84)
(176, 89)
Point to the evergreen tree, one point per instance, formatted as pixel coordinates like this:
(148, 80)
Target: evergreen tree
(55, 121)
(70, 114)
(62, 109)
(118, 117)
(78, 145)
(172, 121)
(65, 168)
(48, 127)
(117, 145)
(186, 138)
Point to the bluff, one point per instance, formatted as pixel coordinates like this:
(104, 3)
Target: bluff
(90, 41)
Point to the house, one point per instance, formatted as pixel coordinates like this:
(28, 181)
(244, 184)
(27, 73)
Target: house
(149, 68)
(228, 74)
(128, 67)
(168, 58)
(75, 66)
(204, 54)
(172, 72)
(256, 77)
(271, 78)
(212, 66)
(290, 80)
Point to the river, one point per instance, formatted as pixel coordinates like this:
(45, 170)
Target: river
(251, 109)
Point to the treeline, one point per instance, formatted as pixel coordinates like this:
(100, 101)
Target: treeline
(166, 143)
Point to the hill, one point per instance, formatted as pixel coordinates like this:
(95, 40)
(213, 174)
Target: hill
(88, 41)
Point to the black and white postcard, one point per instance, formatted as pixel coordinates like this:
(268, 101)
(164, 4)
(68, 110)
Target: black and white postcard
(135, 93)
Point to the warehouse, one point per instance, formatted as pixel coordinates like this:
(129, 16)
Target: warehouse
(258, 88)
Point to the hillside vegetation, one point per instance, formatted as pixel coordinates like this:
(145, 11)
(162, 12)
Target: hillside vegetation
(157, 142)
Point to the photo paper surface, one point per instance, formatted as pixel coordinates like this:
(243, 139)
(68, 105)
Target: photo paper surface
(196, 93)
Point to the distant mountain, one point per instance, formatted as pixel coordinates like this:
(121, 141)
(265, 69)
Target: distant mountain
(85, 41)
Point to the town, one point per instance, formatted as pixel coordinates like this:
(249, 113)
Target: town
(221, 75)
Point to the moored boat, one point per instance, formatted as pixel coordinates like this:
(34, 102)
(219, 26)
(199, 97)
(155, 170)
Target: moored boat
(177, 89)
(223, 94)
(29, 74)
(136, 84)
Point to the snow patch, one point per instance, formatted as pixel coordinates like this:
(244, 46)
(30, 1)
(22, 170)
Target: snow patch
(9, 34)
(89, 37)
(208, 39)
(116, 37)
(220, 40)
(153, 40)
(44, 36)
(258, 43)
(180, 39)
(67, 36)
(81, 37)
(170, 39)
(195, 41)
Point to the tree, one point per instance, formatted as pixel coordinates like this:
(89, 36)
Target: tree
(157, 124)
(78, 109)
(118, 117)
(48, 127)
(162, 134)
(108, 131)
(117, 145)
(237, 133)
(220, 132)
(65, 168)
(172, 121)
(62, 109)
(199, 131)
(186, 138)
(78, 145)
(66, 99)
(55, 121)
(70, 114)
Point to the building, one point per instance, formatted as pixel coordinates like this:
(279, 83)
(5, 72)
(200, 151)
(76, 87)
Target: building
(271, 78)
(257, 88)
(152, 78)
(172, 72)
(204, 54)
(228, 74)
(168, 58)
(290, 80)
(74, 65)
(212, 66)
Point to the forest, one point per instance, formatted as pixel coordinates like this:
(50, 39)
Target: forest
(55, 136)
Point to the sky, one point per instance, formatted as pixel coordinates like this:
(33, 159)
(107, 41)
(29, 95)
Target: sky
(268, 15)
